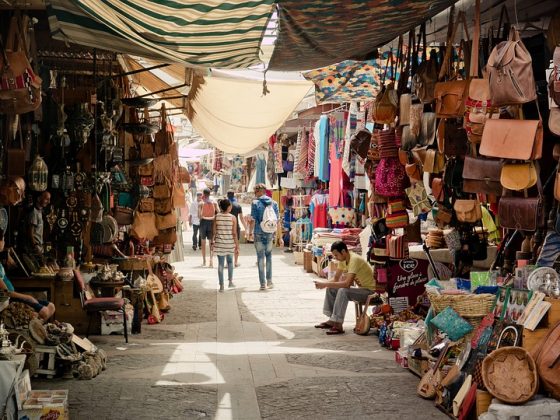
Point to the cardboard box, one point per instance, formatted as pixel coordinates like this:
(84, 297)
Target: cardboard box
(47, 404)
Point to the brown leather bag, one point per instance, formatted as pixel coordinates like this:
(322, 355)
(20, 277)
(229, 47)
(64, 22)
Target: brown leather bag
(522, 213)
(450, 95)
(413, 171)
(146, 150)
(123, 215)
(512, 139)
(144, 226)
(168, 236)
(546, 354)
(164, 137)
(510, 72)
(452, 138)
(438, 189)
(178, 197)
(434, 162)
(163, 206)
(384, 107)
(146, 170)
(468, 211)
(360, 142)
(482, 176)
(554, 121)
(166, 221)
(162, 191)
(146, 204)
(424, 81)
(20, 87)
(518, 176)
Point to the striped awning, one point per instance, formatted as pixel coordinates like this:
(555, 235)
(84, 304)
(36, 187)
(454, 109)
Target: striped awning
(205, 33)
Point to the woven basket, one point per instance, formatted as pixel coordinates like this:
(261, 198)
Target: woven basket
(510, 375)
(469, 306)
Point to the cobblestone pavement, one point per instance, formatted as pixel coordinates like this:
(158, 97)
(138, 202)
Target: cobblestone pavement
(246, 354)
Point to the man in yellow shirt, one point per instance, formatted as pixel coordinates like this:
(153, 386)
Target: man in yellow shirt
(352, 270)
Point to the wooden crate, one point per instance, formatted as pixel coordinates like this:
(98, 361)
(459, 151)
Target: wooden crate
(551, 318)
(483, 400)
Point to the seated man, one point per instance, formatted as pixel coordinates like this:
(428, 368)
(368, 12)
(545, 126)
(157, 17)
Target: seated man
(352, 269)
(44, 309)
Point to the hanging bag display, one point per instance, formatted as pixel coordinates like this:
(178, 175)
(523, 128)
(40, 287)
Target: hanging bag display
(468, 211)
(482, 176)
(164, 137)
(20, 87)
(144, 225)
(452, 137)
(518, 176)
(423, 82)
(384, 107)
(166, 221)
(510, 72)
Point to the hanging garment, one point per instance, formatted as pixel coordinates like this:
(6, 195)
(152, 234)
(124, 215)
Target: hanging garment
(335, 184)
(311, 153)
(278, 158)
(317, 139)
(300, 170)
(260, 167)
(351, 123)
(319, 210)
(323, 173)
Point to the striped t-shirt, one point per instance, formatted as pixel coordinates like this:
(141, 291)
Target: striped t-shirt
(223, 242)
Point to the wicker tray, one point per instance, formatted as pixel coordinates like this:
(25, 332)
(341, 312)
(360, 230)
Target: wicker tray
(470, 306)
(510, 375)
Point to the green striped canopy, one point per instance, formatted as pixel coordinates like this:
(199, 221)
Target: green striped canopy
(205, 33)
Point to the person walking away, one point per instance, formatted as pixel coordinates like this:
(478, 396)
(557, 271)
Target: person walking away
(225, 242)
(236, 211)
(194, 220)
(352, 269)
(264, 211)
(207, 211)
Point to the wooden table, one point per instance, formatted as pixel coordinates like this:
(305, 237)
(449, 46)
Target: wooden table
(34, 284)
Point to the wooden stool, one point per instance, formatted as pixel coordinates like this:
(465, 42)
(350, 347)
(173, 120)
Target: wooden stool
(46, 354)
(359, 307)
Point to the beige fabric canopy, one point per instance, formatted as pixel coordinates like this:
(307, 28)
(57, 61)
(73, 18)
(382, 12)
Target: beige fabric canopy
(234, 115)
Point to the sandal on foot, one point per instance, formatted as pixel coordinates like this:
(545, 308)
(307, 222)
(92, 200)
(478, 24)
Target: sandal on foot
(323, 325)
(334, 331)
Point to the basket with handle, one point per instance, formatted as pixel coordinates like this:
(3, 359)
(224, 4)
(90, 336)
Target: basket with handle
(467, 306)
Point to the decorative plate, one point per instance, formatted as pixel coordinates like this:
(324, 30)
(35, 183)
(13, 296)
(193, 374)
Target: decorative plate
(537, 279)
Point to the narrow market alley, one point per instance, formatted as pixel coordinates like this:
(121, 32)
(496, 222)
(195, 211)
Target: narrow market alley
(246, 354)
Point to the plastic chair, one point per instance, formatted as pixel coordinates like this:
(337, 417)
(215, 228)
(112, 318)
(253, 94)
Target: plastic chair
(98, 304)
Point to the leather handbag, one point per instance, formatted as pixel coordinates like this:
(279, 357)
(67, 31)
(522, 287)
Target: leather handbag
(162, 191)
(168, 236)
(123, 215)
(554, 121)
(163, 205)
(434, 162)
(146, 150)
(438, 189)
(512, 139)
(478, 108)
(522, 213)
(146, 204)
(405, 102)
(146, 170)
(384, 107)
(468, 211)
(482, 176)
(518, 176)
(166, 221)
(413, 171)
(178, 197)
(510, 72)
(360, 142)
(408, 139)
(452, 138)
(423, 82)
(144, 226)
(164, 137)
(428, 129)
(450, 95)
(20, 87)
(453, 175)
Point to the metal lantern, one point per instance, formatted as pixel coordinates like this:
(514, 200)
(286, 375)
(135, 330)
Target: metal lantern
(38, 175)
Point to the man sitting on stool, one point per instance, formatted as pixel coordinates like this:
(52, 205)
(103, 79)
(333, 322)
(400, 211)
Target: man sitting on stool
(352, 269)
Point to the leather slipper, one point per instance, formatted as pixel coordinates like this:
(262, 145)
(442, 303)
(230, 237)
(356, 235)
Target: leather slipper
(334, 331)
(323, 325)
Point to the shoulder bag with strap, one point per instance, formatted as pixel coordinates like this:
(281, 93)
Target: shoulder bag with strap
(426, 76)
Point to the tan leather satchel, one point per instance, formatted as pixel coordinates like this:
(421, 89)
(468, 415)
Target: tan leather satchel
(384, 109)
(162, 191)
(512, 139)
(450, 95)
(144, 226)
(468, 211)
(554, 121)
(405, 102)
(518, 176)
(178, 197)
(510, 72)
(146, 204)
(163, 206)
(146, 170)
(166, 221)
(164, 137)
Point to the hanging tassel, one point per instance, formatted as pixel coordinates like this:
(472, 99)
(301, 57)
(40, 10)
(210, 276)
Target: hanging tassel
(265, 87)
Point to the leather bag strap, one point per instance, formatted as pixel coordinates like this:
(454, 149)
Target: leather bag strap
(473, 71)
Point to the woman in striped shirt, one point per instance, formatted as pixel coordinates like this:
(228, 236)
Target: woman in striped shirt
(225, 242)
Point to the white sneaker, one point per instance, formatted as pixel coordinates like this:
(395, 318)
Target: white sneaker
(270, 285)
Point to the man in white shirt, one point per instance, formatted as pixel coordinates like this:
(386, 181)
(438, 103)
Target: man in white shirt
(194, 220)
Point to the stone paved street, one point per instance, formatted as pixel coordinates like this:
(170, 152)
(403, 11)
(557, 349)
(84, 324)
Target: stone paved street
(246, 354)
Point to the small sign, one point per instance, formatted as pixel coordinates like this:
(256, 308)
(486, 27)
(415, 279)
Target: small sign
(407, 279)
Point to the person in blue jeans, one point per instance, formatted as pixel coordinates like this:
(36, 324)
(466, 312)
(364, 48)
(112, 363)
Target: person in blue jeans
(263, 240)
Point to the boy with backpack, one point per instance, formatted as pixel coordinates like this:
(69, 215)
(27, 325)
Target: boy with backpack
(264, 211)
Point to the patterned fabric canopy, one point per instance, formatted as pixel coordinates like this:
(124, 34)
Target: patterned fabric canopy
(206, 33)
(316, 33)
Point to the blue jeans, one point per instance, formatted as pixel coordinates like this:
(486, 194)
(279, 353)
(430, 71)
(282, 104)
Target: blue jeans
(221, 263)
(263, 245)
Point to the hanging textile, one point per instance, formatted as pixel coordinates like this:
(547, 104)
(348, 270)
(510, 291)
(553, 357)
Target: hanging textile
(270, 172)
(300, 170)
(205, 33)
(336, 124)
(260, 169)
(319, 209)
(311, 153)
(351, 124)
(311, 34)
(217, 161)
(323, 173)
(278, 168)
